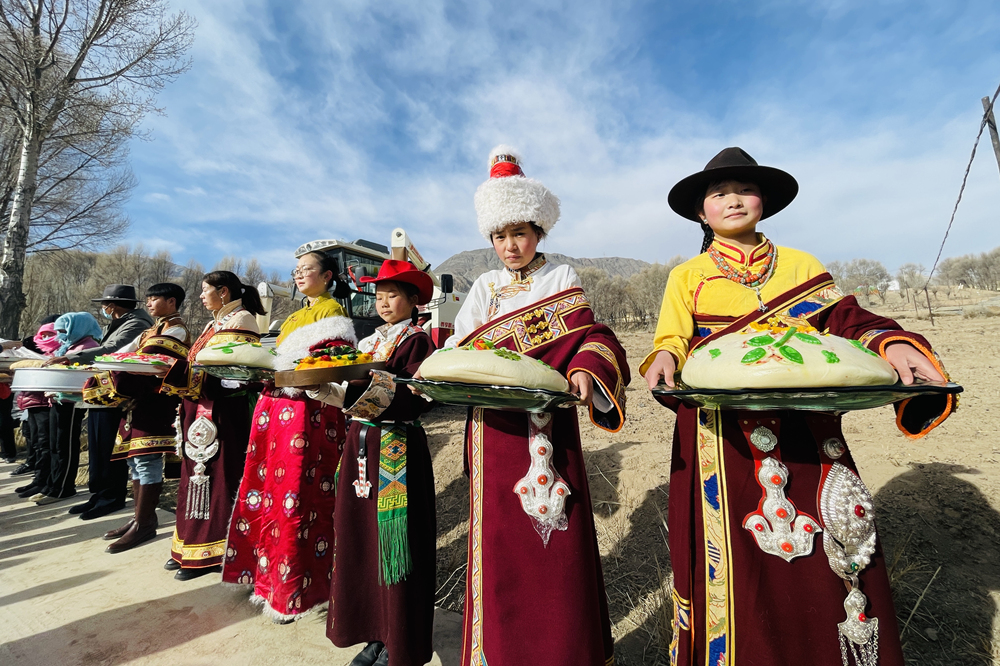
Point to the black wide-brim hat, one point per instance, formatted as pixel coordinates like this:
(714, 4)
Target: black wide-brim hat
(117, 293)
(687, 196)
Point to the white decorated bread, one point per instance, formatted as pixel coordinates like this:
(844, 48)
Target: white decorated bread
(487, 365)
(249, 354)
(780, 357)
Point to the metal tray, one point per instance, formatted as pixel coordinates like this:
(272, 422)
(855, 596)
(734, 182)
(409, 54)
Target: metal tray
(133, 368)
(514, 398)
(314, 376)
(63, 380)
(826, 399)
(238, 373)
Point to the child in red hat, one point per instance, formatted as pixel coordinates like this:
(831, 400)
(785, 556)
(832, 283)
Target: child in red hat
(382, 591)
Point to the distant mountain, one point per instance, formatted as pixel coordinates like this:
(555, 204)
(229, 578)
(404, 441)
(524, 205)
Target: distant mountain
(467, 266)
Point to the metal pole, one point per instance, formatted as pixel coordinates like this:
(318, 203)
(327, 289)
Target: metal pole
(991, 121)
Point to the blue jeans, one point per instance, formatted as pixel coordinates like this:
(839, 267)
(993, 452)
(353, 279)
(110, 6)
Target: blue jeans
(147, 469)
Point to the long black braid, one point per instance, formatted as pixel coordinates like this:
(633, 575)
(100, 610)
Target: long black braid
(709, 237)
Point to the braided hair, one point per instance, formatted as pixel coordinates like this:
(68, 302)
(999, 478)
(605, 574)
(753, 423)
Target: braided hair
(709, 236)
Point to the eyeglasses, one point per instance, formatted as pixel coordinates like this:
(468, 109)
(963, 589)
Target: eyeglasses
(303, 271)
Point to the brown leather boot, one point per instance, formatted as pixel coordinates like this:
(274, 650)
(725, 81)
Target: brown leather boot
(119, 532)
(145, 525)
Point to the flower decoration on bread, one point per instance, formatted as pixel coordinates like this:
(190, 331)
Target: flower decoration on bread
(777, 356)
(481, 362)
(137, 358)
(246, 354)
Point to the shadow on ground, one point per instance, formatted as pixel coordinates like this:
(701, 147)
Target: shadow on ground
(934, 522)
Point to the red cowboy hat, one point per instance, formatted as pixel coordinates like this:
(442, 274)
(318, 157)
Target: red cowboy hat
(404, 271)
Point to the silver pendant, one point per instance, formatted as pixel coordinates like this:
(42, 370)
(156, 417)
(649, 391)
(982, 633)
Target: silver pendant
(542, 491)
(858, 633)
(845, 507)
(776, 529)
(362, 486)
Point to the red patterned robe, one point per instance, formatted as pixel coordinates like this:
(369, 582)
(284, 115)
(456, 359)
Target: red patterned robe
(528, 602)
(734, 603)
(281, 534)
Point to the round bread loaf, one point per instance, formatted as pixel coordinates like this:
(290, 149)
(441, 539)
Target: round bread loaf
(500, 367)
(777, 357)
(249, 354)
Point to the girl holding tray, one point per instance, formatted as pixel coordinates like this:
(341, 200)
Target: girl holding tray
(534, 587)
(281, 532)
(750, 584)
(213, 429)
(383, 579)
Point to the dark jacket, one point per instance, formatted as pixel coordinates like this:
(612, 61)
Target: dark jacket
(119, 333)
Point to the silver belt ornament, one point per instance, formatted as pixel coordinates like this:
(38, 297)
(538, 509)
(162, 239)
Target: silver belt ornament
(542, 491)
(201, 446)
(846, 509)
(845, 506)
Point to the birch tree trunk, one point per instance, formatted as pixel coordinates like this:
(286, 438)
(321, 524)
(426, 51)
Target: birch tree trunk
(12, 297)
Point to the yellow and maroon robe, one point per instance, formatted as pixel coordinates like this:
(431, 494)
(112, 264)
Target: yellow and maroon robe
(735, 604)
(199, 540)
(147, 425)
(364, 605)
(528, 602)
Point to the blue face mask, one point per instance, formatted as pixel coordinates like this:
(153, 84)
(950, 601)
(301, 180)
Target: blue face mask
(105, 314)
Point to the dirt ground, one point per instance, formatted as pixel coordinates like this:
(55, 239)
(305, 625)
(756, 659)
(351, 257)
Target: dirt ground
(937, 502)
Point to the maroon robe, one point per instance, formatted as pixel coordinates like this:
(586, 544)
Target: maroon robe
(527, 602)
(734, 604)
(200, 542)
(364, 609)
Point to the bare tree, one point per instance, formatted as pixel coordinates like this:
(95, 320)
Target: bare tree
(64, 56)
(646, 290)
(910, 277)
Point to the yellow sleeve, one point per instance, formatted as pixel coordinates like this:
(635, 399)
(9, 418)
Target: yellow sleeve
(675, 327)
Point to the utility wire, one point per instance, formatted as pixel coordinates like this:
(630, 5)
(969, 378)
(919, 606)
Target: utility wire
(965, 178)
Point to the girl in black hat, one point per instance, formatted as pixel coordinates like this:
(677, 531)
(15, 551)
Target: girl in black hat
(760, 591)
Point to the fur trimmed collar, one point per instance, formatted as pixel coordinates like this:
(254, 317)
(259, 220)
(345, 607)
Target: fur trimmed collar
(296, 344)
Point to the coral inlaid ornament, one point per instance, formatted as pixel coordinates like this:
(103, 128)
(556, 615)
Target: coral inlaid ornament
(775, 526)
(201, 446)
(542, 491)
(845, 506)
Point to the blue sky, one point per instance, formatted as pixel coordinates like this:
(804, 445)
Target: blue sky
(324, 119)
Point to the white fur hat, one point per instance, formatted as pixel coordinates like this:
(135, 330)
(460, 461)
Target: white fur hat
(508, 196)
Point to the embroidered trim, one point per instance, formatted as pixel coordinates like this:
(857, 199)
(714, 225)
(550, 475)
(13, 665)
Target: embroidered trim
(681, 622)
(142, 445)
(376, 398)
(193, 552)
(476, 534)
(718, 552)
(537, 326)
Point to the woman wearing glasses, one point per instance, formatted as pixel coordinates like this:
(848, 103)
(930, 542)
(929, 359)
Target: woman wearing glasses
(281, 533)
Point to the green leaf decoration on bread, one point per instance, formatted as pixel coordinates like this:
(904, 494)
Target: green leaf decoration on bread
(760, 341)
(754, 355)
(791, 353)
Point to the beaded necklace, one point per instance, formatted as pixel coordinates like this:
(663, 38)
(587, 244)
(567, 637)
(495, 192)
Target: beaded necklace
(751, 279)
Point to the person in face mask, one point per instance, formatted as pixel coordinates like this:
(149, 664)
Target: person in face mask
(108, 480)
(74, 331)
(35, 407)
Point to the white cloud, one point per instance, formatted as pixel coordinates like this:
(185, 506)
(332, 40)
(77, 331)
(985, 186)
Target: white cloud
(349, 119)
